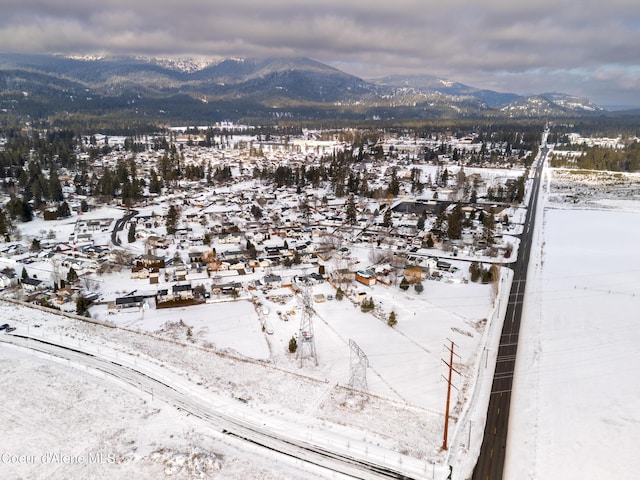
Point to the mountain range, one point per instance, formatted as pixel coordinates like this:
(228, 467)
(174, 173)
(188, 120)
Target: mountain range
(238, 88)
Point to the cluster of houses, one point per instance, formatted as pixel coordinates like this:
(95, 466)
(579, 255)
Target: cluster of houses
(245, 233)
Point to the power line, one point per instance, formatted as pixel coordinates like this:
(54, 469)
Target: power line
(449, 385)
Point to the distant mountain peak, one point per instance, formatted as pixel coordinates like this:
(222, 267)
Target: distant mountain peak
(185, 64)
(263, 86)
(86, 58)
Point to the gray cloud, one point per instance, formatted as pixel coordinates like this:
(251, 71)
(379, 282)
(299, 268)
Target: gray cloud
(587, 48)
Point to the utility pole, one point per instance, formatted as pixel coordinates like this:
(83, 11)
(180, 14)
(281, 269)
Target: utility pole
(449, 385)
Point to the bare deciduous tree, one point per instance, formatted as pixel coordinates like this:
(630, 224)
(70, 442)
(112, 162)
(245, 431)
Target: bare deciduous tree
(329, 244)
(379, 256)
(56, 272)
(90, 284)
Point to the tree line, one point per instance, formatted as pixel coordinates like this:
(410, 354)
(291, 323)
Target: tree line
(602, 158)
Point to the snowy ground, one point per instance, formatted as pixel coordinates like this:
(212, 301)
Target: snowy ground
(60, 422)
(575, 408)
(230, 355)
(403, 414)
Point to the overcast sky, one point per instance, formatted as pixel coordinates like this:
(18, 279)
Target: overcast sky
(583, 47)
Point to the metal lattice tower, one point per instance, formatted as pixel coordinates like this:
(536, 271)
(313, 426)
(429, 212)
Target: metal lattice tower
(306, 342)
(359, 365)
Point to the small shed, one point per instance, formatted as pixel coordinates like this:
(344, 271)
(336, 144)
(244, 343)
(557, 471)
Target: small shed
(366, 277)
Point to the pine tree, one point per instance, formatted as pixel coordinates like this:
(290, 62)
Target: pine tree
(430, 243)
(475, 269)
(367, 305)
(131, 236)
(5, 224)
(394, 184)
(404, 284)
(351, 212)
(64, 210)
(387, 219)
(293, 345)
(72, 276)
(55, 188)
(489, 227)
(392, 321)
(82, 306)
(454, 222)
(172, 220)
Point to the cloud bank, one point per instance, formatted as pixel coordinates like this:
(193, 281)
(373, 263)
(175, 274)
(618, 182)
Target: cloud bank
(586, 48)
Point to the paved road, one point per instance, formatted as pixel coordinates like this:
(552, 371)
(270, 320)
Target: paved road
(492, 453)
(119, 225)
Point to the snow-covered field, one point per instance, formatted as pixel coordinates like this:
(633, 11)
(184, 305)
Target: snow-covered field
(62, 422)
(575, 410)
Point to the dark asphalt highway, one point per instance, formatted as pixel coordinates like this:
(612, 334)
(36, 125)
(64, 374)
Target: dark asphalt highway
(492, 453)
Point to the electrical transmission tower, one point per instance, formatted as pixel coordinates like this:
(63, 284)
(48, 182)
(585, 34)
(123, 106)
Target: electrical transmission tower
(306, 342)
(359, 365)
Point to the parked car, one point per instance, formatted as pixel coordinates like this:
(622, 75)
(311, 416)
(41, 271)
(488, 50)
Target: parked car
(2, 327)
(9, 329)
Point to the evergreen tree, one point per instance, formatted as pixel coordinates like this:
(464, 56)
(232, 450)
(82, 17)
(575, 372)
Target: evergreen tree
(444, 178)
(392, 321)
(386, 220)
(454, 222)
(351, 211)
(367, 305)
(489, 227)
(487, 275)
(419, 287)
(172, 220)
(131, 236)
(63, 210)
(475, 269)
(394, 183)
(55, 188)
(6, 226)
(439, 222)
(20, 209)
(364, 187)
(82, 305)
(155, 185)
(293, 345)
(404, 284)
(72, 276)
(430, 243)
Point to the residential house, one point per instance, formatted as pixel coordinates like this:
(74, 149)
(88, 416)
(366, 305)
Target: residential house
(8, 280)
(132, 301)
(182, 291)
(272, 281)
(32, 284)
